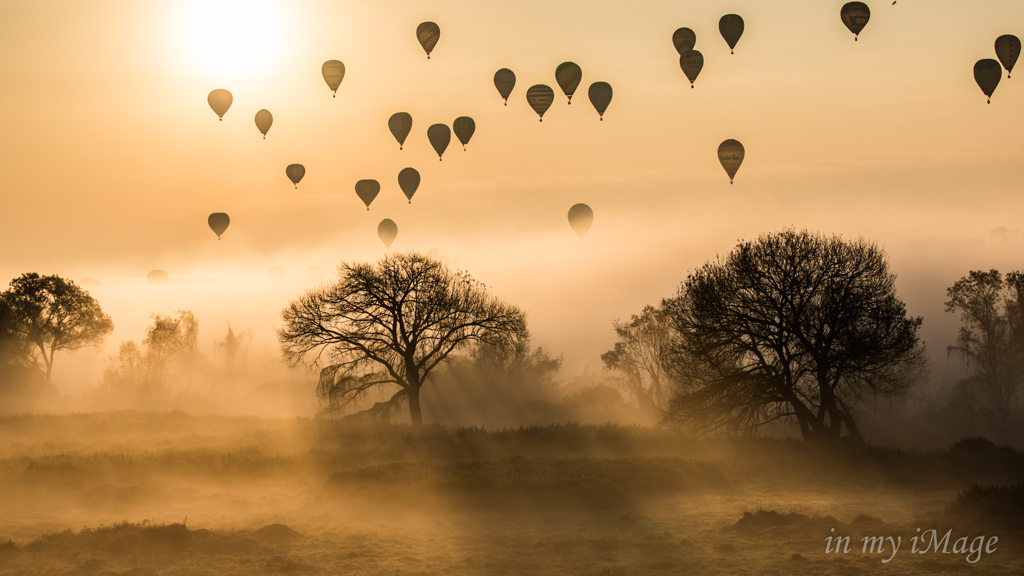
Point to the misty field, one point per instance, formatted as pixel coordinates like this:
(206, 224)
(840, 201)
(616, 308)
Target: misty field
(170, 493)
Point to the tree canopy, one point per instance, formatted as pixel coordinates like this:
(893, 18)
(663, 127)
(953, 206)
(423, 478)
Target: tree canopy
(638, 357)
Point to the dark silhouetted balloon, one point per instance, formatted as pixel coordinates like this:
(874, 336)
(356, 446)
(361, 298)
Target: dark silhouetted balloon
(218, 222)
(295, 172)
(600, 96)
(428, 33)
(505, 81)
(692, 63)
(400, 124)
(439, 135)
(568, 76)
(684, 40)
(987, 74)
(158, 277)
(220, 100)
(731, 27)
(367, 190)
(464, 128)
(263, 121)
(855, 15)
(387, 231)
(334, 73)
(1008, 50)
(276, 274)
(409, 181)
(730, 154)
(540, 97)
(580, 218)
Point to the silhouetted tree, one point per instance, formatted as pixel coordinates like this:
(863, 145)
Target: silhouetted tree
(638, 357)
(793, 325)
(47, 314)
(392, 322)
(991, 341)
(169, 351)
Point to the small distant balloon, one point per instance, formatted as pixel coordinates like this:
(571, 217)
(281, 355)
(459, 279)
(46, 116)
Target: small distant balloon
(428, 33)
(855, 15)
(263, 121)
(684, 40)
(367, 190)
(220, 100)
(987, 74)
(568, 76)
(692, 63)
(409, 181)
(218, 222)
(400, 125)
(158, 277)
(439, 135)
(540, 97)
(730, 154)
(295, 172)
(464, 126)
(731, 27)
(276, 274)
(387, 231)
(600, 96)
(334, 73)
(505, 81)
(1008, 50)
(580, 218)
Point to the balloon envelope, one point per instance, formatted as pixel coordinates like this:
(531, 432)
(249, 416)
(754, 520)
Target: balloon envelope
(263, 121)
(580, 218)
(730, 154)
(428, 33)
(158, 277)
(295, 172)
(220, 100)
(855, 15)
(464, 126)
(400, 124)
(218, 222)
(387, 231)
(731, 27)
(367, 190)
(987, 74)
(505, 81)
(540, 97)
(684, 40)
(600, 96)
(334, 73)
(439, 135)
(692, 63)
(409, 181)
(568, 76)
(1008, 50)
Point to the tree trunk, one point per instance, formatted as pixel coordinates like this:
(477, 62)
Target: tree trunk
(414, 406)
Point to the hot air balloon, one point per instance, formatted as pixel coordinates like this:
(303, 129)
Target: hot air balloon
(505, 81)
(439, 135)
(387, 231)
(276, 274)
(580, 218)
(987, 74)
(568, 76)
(400, 124)
(855, 15)
(731, 27)
(428, 33)
(684, 40)
(1008, 50)
(218, 222)
(600, 96)
(409, 181)
(367, 190)
(540, 97)
(158, 277)
(334, 73)
(295, 172)
(730, 154)
(692, 63)
(263, 121)
(220, 100)
(464, 128)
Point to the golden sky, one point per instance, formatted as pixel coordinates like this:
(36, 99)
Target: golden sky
(113, 160)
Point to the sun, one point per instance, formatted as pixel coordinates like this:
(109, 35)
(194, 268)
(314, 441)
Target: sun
(232, 39)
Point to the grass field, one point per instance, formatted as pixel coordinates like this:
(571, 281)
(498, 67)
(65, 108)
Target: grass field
(170, 493)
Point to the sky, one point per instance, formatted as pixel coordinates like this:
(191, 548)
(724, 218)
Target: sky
(112, 158)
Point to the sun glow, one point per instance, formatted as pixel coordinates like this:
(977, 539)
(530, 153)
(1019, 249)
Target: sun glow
(232, 39)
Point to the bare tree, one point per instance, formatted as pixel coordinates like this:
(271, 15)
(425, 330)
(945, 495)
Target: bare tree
(392, 322)
(793, 325)
(638, 357)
